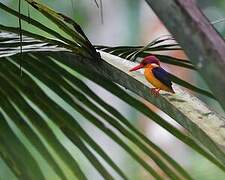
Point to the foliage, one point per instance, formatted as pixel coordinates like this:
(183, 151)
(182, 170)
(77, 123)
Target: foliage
(52, 76)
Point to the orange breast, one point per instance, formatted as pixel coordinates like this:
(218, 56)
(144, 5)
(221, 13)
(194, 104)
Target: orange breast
(155, 82)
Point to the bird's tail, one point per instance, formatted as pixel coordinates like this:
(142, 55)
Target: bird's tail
(171, 90)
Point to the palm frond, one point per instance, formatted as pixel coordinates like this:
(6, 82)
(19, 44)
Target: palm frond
(52, 68)
(60, 20)
(18, 157)
(47, 67)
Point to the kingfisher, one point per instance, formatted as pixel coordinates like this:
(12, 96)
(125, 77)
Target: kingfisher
(155, 74)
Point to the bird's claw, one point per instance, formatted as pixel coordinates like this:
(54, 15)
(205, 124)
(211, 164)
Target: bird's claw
(155, 91)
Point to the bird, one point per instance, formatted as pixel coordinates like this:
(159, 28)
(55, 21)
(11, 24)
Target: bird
(155, 74)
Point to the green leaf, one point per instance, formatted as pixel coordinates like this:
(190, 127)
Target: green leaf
(60, 114)
(49, 68)
(9, 109)
(55, 78)
(84, 88)
(93, 160)
(70, 44)
(78, 35)
(51, 79)
(39, 123)
(19, 157)
(142, 90)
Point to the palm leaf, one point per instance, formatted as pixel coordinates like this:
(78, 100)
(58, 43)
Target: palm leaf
(26, 95)
(47, 70)
(18, 157)
(53, 86)
(59, 19)
(64, 41)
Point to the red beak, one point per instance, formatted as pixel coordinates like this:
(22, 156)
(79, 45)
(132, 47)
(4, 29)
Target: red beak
(137, 67)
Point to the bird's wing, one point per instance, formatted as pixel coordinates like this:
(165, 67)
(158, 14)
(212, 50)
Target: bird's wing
(162, 76)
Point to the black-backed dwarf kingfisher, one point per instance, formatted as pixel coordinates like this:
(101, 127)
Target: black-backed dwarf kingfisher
(156, 75)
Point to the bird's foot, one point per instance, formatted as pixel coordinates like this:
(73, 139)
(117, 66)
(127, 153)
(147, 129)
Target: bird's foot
(155, 91)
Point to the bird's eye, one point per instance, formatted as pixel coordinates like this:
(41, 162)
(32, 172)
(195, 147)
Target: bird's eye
(144, 63)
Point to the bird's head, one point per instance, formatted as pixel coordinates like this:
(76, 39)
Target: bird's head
(151, 61)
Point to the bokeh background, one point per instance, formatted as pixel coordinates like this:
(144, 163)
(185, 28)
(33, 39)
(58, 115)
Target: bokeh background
(125, 22)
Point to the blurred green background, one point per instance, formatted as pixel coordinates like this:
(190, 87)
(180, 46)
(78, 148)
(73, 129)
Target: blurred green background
(126, 22)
